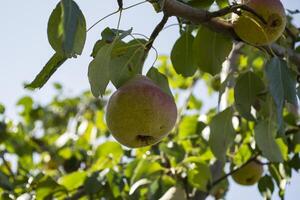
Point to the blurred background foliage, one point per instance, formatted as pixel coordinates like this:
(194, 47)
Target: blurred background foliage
(63, 150)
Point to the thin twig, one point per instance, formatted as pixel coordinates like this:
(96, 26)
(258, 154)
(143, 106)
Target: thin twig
(156, 32)
(113, 13)
(233, 171)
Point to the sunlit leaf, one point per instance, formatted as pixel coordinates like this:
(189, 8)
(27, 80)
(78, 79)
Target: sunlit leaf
(200, 176)
(52, 65)
(67, 29)
(73, 180)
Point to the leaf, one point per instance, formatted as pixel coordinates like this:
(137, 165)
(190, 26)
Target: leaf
(159, 79)
(222, 133)
(137, 184)
(4, 182)
(281, 85)
(2, 109)
(211, 50)
(73, 180)
(144, 169)
(174, 193)
(200, 176)
(126, 61)
(265, 132)
(222, 3)
(266, 186)
(109, 35)
(246, 91)
(108, 154)
(67, 29)
(173, 150)
(182, 55)
(98, 71)
(52, 65)
(46, 187)
(92, 184)
(194, 103)
(188, 126)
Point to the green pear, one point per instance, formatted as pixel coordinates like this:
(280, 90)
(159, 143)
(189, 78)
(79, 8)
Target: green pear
(249, 174)
(252, 30)
(139, 113)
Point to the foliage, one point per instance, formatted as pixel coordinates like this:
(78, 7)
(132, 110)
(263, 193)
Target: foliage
(64, 150)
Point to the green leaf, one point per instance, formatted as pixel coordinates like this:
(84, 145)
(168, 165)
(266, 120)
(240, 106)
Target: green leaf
(2, 108)
(265, 132)
(92, 184)
(281, 85)
(194, 103)
(159, 79)
(73, 180)
(222, 3)
(52, 65)
(46, 187)
(173, 150)
(246, 91)
(266, 186)
(188, 126)
(144, 169)
(211, 50)
(200, 176)
(4, 182)
(126, 61)
(137, 184)
(182, 55)
(222, 133)
(174, 193)
(109, 35)
(116, 183)
(67, 29)
(108, 154)
(98, 71)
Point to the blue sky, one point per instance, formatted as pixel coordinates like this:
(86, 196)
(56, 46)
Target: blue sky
(24, 50)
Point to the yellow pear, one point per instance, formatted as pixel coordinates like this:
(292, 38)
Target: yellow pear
(249, 174)
(253, 30)
(139, 113)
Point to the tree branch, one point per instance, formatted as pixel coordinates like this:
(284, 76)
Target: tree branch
(155, 32)
(216, 182)
(203, 17)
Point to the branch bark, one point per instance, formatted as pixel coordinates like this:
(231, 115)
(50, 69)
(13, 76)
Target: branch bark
(203, 17)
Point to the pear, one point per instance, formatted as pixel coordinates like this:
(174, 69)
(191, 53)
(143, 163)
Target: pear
(252, 30)
(249, 174)
(140, 113)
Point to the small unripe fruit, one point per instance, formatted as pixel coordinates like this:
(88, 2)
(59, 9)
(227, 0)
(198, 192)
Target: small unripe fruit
(215, 82)
(249, 174)
(139, 113)
(251, 29)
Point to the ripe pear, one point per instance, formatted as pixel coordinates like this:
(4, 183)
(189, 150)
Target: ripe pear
(249, 174)
(139, 113)
(252, 30)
